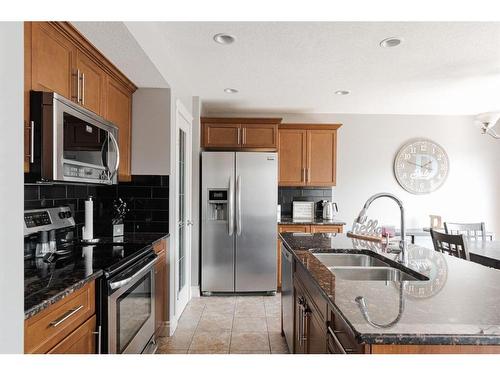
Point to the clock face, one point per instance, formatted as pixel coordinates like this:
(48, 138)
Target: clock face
(421, 166)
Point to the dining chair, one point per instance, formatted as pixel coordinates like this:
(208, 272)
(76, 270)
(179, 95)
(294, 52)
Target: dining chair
(473, 231)
(452, 244)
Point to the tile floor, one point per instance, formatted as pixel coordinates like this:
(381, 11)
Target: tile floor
(228, 325)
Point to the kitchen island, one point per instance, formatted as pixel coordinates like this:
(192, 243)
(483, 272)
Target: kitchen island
(453, 308)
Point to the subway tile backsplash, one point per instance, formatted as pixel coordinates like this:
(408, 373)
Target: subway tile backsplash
(286, 195)
(146, 197)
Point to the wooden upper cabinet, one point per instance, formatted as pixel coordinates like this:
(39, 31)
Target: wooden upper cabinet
(52, 60)
(119, 112)
(259, 136)
(92, 84)
(321, 157)
(58, 58)
(245, 134)
(307, 154)
(222, 135)
(292, 157)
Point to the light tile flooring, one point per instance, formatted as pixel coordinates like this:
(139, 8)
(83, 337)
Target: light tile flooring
(228, 325)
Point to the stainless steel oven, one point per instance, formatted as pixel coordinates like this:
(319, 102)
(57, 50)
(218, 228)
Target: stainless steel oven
(131, 309)
(70, 143)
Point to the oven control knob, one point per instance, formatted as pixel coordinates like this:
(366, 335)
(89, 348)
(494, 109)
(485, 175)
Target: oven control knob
(62, 214)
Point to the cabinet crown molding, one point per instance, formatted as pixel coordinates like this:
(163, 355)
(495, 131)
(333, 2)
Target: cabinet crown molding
(309, 126)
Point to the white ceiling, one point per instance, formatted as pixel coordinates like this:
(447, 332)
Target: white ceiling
(441, 68)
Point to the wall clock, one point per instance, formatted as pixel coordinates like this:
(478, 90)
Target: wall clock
(421, 166)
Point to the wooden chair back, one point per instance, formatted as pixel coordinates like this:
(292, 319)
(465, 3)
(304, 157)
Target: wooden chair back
(473, 231)
(452, 244)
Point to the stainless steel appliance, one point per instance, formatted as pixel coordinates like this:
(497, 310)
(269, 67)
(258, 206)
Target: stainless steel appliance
(239, 231)
(125, 293)
(70, 143)
(287, 296)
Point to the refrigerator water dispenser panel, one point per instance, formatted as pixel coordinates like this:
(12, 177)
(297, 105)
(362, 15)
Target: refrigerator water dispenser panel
(217, 204)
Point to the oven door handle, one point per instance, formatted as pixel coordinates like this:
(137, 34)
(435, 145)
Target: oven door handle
(120, 283)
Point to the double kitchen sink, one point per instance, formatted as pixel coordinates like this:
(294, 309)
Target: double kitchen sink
(365, 267)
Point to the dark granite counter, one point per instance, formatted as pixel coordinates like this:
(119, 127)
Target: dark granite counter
(46, 283)
(459, 304)
(286, 220)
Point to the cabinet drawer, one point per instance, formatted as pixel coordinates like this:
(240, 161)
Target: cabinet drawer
(315, 296)
(285, 228)
(326, 228)
(341, 338)
(80, 341)
(46, 329)
(160, 246)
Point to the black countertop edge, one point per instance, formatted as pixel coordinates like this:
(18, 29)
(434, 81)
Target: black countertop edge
(32, 311)
(287, 220)
(388, 338)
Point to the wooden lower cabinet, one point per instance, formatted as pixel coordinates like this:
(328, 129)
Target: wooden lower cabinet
(51, 327)
(81, 341)
(310, 333)
(326, 228)
(161, 288)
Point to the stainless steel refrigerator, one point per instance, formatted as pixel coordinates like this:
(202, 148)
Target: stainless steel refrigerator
(239, 227)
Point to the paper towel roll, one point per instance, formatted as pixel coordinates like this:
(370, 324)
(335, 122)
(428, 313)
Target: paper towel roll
(88, 229)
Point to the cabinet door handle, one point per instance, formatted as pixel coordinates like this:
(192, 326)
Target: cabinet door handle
(78, 87)
(65, 316)
(32, 142)
(83, 88)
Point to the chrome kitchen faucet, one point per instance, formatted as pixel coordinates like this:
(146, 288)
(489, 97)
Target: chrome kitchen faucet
(362, 218)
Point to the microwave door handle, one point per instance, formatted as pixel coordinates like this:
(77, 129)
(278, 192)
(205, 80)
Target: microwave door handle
(117, 164)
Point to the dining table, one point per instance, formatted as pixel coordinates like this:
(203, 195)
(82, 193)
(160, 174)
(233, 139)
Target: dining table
(486, 252)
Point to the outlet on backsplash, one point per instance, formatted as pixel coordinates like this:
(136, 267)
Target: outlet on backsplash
(286, 195)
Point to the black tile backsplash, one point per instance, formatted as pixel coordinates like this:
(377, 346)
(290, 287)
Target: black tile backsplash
(286, 195)
(146, 197)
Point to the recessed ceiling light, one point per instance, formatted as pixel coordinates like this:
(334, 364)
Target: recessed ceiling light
(391, 42)
(230, 90)
(342, 92)
(224, 38)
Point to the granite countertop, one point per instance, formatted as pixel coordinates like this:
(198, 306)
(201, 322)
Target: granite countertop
(47, 283)
(287, 220)
(459, 304)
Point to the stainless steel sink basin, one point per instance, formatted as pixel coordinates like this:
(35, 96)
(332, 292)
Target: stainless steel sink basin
(348, 260)
(371, 274)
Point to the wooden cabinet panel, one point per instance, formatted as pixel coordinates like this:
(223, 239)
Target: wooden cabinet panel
(27, 88)
(326, 228)
(262, 136)
(321, 157)
(52, 60)
(316, 334)
(92, 83)
(161, 287)
(292, 157)
(119, 112)
(46, 329)
(81, 341)
(222, 136)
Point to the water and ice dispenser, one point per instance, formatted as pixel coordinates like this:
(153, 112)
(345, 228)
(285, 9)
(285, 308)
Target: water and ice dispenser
(217, 205)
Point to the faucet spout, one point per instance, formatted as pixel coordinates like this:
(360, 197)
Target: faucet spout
(362, 217)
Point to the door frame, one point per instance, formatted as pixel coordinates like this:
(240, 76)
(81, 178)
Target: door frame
(176, 307)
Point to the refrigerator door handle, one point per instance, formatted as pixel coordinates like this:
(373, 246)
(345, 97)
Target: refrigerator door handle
(230, 208)
(238, 206)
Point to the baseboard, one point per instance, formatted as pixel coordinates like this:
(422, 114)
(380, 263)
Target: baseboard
(170, 327)
(195, 291)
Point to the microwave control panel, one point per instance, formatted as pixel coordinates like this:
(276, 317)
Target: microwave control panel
(72, 170)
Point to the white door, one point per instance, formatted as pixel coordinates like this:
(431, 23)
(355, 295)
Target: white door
(183, 222)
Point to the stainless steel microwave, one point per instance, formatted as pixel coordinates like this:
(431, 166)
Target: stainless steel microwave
(69, 143)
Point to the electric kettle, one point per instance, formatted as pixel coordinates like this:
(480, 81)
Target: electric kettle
(330, 210)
